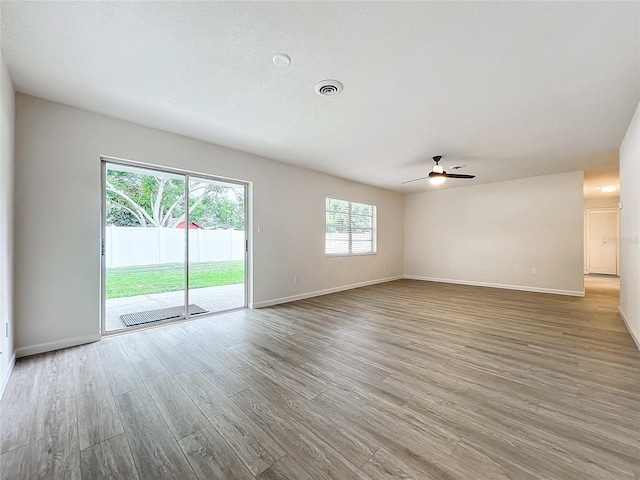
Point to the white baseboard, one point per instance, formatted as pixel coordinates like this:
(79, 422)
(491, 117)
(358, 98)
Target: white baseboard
(554, 291)
(7, 375)
(48, 347)
(626, 323)
(302, 296)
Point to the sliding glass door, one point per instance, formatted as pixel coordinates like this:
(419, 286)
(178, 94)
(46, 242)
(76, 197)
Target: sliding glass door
(217, 245)
(174, 245)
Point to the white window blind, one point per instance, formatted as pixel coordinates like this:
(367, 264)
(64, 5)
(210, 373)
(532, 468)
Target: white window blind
(350, 228)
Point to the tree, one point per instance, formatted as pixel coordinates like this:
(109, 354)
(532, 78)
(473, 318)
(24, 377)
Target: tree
(159, 201)
(342, 215)
(224, 209)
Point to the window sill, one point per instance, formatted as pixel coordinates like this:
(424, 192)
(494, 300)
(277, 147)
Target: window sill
(339, 255)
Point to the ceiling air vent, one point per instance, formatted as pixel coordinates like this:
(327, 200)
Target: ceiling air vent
(328, 88)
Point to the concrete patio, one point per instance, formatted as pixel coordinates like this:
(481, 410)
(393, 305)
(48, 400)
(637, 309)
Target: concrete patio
(213, 299)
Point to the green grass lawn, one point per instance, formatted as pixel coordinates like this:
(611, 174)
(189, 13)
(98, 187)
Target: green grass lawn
(169, 277)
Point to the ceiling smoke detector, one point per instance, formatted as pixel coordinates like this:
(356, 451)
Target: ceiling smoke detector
(281, 59)
(328, 88)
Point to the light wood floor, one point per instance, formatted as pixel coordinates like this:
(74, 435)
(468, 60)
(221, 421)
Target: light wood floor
(407, 379)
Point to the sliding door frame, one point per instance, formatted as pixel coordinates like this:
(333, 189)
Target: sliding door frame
(187, 174)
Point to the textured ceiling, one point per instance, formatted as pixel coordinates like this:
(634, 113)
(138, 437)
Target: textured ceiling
(509, 89)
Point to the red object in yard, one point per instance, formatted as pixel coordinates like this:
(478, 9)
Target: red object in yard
(192, 225)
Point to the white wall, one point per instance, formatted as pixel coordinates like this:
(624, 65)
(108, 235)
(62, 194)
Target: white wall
(57, 275)
(7, 105)
(508, 227)
(630, 228)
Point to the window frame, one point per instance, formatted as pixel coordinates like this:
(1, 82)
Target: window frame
(374, 228)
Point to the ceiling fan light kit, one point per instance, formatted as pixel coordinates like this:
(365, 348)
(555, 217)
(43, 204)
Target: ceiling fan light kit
(437, 176)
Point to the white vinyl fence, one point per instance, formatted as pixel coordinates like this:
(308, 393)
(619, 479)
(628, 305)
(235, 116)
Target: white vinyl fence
(127, 246)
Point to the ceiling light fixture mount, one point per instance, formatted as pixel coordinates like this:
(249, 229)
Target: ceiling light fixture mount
(328, 88)
(281, 59)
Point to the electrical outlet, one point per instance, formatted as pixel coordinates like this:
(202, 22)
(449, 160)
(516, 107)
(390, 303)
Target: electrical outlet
(260, 229)
(451, 268)
(385, 267)
(296, 279)
(534, 271)
(486, 270)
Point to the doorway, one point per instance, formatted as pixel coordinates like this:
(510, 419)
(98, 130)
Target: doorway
(602, 241)
(174, 245)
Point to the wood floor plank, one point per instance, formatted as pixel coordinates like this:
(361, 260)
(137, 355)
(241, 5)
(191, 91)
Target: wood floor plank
(17, 463)
(407, 379)
(311, 452)
(488, 466)
(599, 412)
(218, 373)
(295, 378)
(186, 327)
(56, 372)
(135, 347)
(274, 344)
(108, 460)
(376, 391)
(200, 358)
(386, 466)
(423, 450)
(352, 366)
(257, 450)
(55, 451)
(227, 381)
(16, 406)
(223, 354)
(353, 445)
(173, 335)
(98, 417)
(285, 469)
(273, 388)
(151, 370)
(167, 353)
(470, 417)
(155, 451)
(212, 458)
(121, 373)
(177, 408)
(87, 353)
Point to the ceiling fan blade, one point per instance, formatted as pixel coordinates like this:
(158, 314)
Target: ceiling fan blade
(458, 175)
(414, 180)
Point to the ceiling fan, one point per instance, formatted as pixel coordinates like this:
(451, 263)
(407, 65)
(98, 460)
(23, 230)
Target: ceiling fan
(437, 176)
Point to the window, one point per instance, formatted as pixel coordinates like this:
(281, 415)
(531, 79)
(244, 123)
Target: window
(350, 228)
